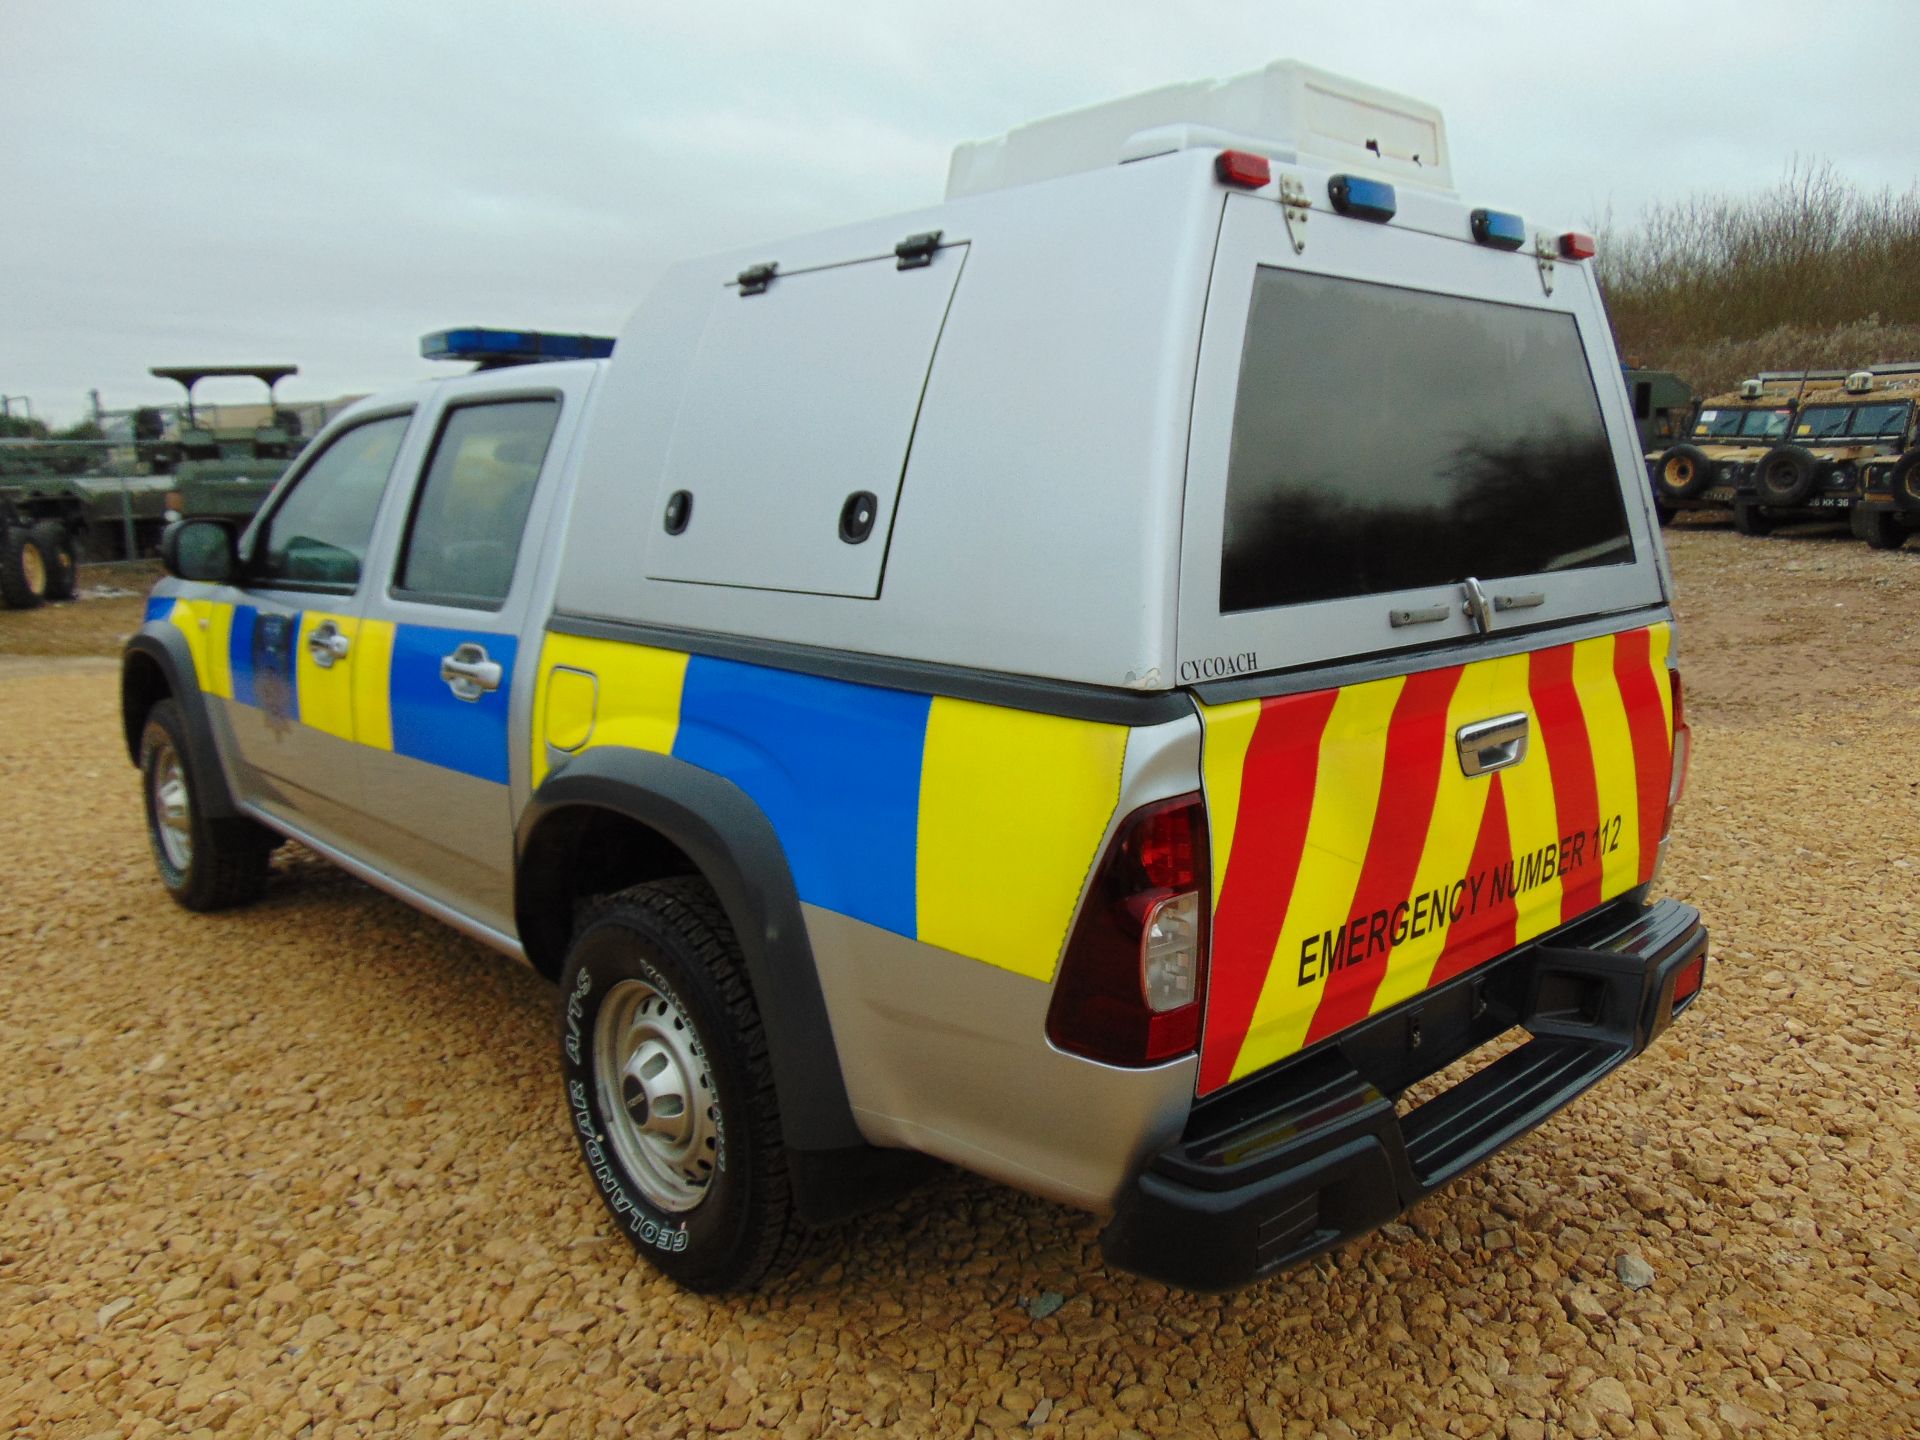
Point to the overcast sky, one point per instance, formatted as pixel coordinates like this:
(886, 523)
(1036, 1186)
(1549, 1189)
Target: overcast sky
(323, 183)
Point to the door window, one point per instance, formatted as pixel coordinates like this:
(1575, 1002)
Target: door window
(471, 510)
(317, 536)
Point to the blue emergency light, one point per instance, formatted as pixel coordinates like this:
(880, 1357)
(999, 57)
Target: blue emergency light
(1362, 198)
(488, 348)
(1499, 229)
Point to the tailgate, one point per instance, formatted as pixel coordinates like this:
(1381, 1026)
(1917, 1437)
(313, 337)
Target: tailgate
(1356, 862)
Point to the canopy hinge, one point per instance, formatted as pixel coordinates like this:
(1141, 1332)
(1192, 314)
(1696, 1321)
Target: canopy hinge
(1295, 205)
(755, 279)
(916, 251)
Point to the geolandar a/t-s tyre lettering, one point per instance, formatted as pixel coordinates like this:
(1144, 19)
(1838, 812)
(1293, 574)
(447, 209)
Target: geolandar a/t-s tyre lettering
(669, 1089)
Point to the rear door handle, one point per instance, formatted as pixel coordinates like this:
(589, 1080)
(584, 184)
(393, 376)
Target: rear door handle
(468, 672)
(1489, 745)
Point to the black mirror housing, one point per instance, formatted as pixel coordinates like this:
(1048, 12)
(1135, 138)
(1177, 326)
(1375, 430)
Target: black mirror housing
(203, 550)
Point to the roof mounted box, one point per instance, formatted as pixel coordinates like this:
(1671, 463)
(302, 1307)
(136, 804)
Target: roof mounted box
(1287, 111)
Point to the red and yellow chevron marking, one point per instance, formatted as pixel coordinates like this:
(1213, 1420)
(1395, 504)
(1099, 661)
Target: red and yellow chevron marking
(1356, 865)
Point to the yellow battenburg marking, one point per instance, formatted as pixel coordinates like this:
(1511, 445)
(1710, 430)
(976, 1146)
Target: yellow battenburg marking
(1224, 740)
(1613, 768)
(1459, 805)
(1533, 817)
(570, 701)
(372, 684)
(326, 694)
(207, 626)
(1013, 807)
(639, 694)
(1346, 793)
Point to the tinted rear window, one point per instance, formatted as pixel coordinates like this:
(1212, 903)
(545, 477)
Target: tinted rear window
(1388, 439)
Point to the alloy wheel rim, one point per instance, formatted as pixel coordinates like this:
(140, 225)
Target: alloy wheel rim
(172, 807)
(656, 1095)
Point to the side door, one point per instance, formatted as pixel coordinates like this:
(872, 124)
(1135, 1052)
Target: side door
(446, 622)
(292, 639)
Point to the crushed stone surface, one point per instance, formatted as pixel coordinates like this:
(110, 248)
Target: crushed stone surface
(304, 1169)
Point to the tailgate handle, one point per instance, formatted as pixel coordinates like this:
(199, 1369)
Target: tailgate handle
(1519, 602)
(1489, 745)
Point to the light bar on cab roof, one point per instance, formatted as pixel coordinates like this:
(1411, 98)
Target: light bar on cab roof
(512, 347)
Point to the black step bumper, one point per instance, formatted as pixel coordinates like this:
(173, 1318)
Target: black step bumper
(1314, 1153)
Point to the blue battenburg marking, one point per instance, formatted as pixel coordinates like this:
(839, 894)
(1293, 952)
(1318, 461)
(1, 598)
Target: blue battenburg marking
(240, 654)
(433, 724)
(275, 638)
(159, 607)
(836, 768)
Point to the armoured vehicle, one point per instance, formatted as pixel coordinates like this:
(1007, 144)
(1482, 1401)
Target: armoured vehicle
(1106, 681)
(1843, 420)
(1728, 435)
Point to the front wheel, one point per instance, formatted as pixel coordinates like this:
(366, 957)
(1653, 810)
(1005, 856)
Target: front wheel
(63, 568)
(1749, 520)
(23, 568)
(205, 863)
(670, 1090)
(1881, 529)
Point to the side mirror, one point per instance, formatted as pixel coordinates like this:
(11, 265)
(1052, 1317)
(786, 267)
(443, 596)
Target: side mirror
(203, 550)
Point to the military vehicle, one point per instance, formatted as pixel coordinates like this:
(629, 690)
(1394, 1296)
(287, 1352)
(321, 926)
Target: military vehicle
(1729, 433)
(1843, 420)
(227, 473)
(1662, 405)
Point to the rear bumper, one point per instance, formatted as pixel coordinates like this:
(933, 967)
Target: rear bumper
(1314, 1153)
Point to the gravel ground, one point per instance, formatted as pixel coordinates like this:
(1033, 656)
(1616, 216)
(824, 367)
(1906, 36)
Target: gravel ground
(304, 1170)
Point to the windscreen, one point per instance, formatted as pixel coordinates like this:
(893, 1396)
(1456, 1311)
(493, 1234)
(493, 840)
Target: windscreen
(1387, 439)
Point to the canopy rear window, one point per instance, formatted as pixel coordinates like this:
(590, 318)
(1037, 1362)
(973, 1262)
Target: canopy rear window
(1386, 439)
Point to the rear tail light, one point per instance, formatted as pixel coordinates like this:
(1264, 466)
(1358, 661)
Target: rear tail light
(1682, 753)
(1686, 984)
(1242, 168)
(1133, 980)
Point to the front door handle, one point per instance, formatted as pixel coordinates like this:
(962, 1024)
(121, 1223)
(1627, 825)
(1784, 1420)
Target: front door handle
(468, 672)
(1489, 745)
(326, 644)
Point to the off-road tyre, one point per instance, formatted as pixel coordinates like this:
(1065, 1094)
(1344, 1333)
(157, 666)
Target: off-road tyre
(1881, 529)
(671, 941)
(24, 569)
(1786, 475)
(1748, 520)
(224, 862)
(1683, 473)
(63, 566)
(1905, 481)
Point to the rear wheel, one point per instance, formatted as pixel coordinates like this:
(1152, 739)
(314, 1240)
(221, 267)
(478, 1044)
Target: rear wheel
(63, 569)
(1879, 528)
(23, 569)
(206, 864)
(670, 1089)
(1750, 520)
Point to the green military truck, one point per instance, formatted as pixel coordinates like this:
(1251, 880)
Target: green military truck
(1662, 405)
(226, 473)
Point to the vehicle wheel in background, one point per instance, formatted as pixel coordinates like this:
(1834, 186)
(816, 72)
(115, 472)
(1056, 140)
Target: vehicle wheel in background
(1684, 473)
(23, 569)
(1879, 528)
(1748, 520)
(206, 864)
(1906, 480)
(1786, 475)
(63, 566)
(670, 1090)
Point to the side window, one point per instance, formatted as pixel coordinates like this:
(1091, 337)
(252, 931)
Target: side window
(318, 534)
(464, 538)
